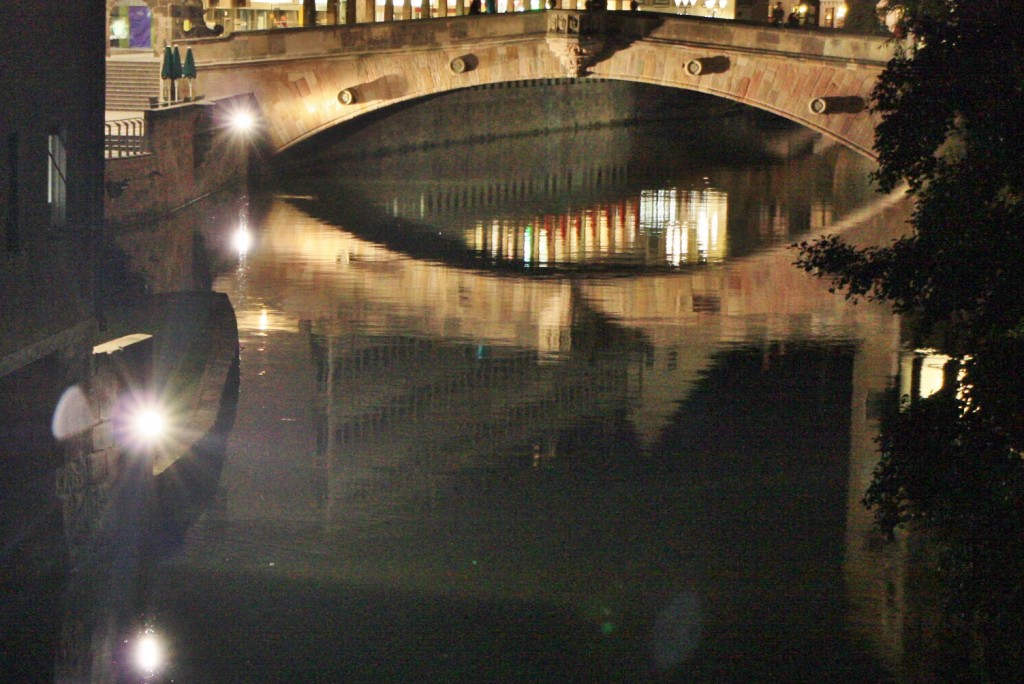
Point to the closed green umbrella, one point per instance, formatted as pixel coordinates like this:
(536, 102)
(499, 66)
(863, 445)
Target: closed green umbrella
(175, 71)
(165, 68)
(188, 70)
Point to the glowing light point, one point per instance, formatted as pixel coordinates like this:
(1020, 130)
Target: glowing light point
(149, 652)
(242, 240)
(242, 122)
(150, 424)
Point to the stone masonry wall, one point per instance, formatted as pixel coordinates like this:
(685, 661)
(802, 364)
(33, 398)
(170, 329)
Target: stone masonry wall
(193, 150)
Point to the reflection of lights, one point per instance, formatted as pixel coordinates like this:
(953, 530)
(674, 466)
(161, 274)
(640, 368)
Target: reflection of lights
(666, 224)
(922, 374)
(264, 321)
(932, 369)
(691, 222)
(242, 240)
(149, 652)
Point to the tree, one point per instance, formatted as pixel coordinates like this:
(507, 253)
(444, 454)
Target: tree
(949, 103)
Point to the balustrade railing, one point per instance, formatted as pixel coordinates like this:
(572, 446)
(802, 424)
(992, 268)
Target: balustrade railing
(124, 137)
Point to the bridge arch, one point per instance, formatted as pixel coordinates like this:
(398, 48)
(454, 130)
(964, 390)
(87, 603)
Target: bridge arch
(309, 80)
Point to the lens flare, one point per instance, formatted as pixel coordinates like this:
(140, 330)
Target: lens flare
(149, 652)
(242, 121)
(150, 424)
(141, 423)
(242, 240)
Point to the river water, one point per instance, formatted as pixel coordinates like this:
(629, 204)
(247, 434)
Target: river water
(550, 408)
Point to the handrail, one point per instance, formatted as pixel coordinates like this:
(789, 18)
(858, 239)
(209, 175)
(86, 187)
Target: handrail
(124, 137)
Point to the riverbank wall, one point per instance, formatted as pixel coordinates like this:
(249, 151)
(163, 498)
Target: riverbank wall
(191, 150)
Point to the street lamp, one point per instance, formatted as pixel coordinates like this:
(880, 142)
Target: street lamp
(685, 5)
(713, 6)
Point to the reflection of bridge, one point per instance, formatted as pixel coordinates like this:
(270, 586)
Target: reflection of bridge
(383, 452)
(310, 80)
(756, 300)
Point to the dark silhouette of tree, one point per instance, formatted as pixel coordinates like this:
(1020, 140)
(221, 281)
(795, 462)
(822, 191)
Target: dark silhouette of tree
(949, 103)
(952, 465)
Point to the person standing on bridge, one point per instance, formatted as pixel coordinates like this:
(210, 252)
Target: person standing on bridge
(474, 7)
(492, 6)
(778, 14)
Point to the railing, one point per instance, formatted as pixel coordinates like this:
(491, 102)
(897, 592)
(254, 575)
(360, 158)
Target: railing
(124, 138)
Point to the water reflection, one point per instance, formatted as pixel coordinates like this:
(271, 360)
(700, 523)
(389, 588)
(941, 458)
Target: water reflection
(606, 200)
(446, 469)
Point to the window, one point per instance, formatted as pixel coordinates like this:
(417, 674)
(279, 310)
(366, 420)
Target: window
(57, 186)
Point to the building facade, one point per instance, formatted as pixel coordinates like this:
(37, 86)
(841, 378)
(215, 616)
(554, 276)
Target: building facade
(51, 215)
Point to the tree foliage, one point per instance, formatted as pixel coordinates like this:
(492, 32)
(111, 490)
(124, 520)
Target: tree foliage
(949, 466)
(948, 105)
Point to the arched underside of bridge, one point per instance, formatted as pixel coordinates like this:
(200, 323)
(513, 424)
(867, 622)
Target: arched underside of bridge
(347, 77)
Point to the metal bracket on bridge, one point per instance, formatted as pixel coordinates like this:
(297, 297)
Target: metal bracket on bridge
(576, 38)
(836, 105)
(702, 66)
(347, 96)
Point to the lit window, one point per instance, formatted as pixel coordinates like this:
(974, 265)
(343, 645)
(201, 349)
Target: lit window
(57, 186)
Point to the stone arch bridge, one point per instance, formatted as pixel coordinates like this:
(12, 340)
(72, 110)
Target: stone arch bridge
(308, 80)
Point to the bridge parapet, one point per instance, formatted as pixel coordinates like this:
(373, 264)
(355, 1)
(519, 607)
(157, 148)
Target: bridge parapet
(350, 39)
(307, 80)
(373, 38)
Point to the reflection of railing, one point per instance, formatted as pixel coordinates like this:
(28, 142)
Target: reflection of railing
(124, 137)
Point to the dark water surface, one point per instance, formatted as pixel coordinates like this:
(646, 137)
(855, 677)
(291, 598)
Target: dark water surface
(547, 409)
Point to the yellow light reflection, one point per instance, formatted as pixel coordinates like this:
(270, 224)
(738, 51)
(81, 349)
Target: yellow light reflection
(149, 653)
(680, 226)
(242, 240)
(691, 222)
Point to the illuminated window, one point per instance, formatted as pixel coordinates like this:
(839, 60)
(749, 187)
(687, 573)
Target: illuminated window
(57, 185)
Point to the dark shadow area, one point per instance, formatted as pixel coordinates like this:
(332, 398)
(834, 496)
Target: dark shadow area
(33, 550)
(189, 486)
(365, 634)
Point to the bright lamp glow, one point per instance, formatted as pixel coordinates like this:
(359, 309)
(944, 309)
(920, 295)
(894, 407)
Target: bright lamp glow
(149, 652)
(141, 424)
(242, 240)
(150, 424)
(242, 121)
